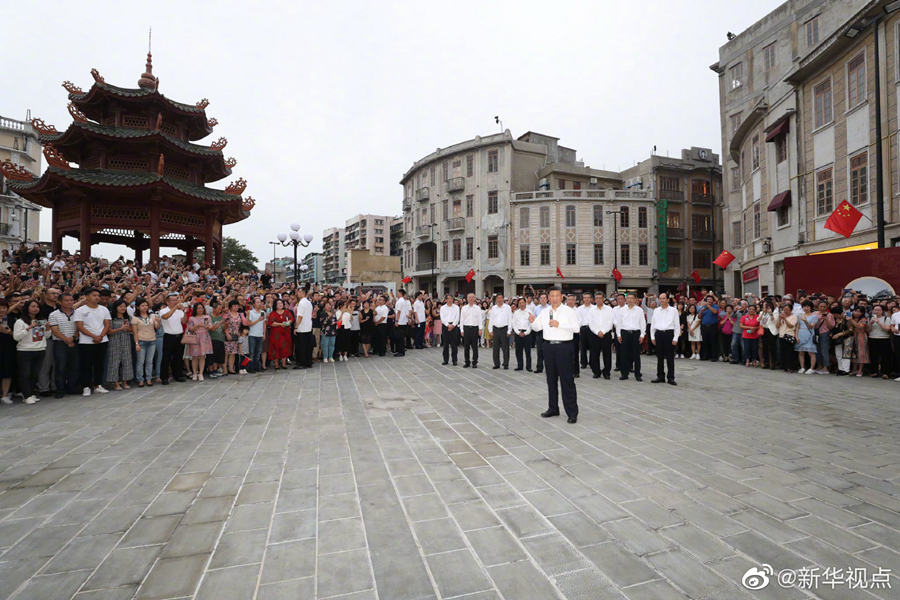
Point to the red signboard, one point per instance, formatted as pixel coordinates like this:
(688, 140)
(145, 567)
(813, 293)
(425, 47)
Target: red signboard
(831, 273)
(751, 274)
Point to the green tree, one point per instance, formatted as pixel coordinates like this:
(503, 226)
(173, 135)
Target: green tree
(237, 256)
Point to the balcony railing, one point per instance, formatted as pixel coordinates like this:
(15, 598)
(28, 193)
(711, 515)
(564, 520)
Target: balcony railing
(423, 231)
(675, 233)
(455, 184)
(422, 194)
(676, 195)
(455, 224)
(425, 266)
(701, 198)
(703, 236)
(407, 204)
(605, 194)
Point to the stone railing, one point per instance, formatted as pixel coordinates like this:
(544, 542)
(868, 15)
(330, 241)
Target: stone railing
(422, 194)
(455, 184)
(455, 224)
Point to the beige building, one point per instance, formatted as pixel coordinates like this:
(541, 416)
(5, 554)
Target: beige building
(368, 232)
(372, 270)
(19, 218)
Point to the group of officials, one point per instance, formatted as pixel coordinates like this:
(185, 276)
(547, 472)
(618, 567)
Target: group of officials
(566, 336)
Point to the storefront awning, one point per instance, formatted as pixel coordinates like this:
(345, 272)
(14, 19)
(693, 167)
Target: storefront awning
(781, 200)
(781, 129)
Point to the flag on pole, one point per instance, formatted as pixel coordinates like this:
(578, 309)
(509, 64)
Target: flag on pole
(617, 275)
(724, 259)
(844, 219)
(558, 272)
(407, 280)
(470, 275)
(696, 276)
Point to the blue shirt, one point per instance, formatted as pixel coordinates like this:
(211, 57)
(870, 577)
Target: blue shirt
(709, 316)
(537, 310)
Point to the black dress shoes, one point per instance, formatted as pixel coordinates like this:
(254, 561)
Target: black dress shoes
(623, 377)
(528, 369)
(496, 366)
(658, 380)
(573, 419)
(517, 369)
(474, 366)
(549, 414)
(466, 366)
(506, 367)
(606, 377)
(598, 376)
(538, 370)
(577, 375)
(672, 383)
(638, 378)
(444, 363)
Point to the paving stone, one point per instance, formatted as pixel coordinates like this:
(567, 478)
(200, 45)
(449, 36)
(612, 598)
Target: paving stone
(193, 539)
(457, 573)
(554, 554)
(579, 529)
(340, 536)
(425, 508)
(439, 535)
(473, 515)
(173, 577)
(338, 507)
(290, 560)
(297, 589)
(206, 510)
(495, 546)
(45, 541)
(522, 580)
(82, 553)
(123, 566)
(343, 573)
(239, 582)
(187, 481)
(59, 585)
(250, 516)
(299, 525)
(14, 573)
(150, 530)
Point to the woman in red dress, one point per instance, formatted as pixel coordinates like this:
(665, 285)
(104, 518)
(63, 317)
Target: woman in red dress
(280, 345)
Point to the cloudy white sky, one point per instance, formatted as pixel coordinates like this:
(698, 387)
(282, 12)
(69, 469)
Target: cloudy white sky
(326, 104)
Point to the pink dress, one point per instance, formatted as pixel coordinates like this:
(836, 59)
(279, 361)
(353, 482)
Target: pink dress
(204, 345)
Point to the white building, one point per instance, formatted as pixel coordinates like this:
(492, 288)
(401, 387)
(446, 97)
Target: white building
(19, 218)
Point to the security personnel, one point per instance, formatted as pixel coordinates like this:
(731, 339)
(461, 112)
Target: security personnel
(665, 329)
(632, 325)
(450, 323)
(559, 323)
(600, 324)
(472, 320)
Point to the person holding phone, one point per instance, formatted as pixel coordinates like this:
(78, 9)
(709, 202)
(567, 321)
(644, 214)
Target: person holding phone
(31, 344)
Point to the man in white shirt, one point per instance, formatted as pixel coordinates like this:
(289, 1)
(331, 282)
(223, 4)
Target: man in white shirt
(92, 322)
(419, 310)
(584, 334)
(500, 317)
(304, 332)
(256, 319)
(633, 324)
(559, 323)
(172, 318)
(620, 303)
(570, 301)
(600, 324)
(522, 333)
(895, 339)
(472, 321)
(381, 326)
(402, 309)
(450, 325)
(665, 329)
(537, 338)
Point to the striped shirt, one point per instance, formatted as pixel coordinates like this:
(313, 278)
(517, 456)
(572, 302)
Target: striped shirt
(65, 323)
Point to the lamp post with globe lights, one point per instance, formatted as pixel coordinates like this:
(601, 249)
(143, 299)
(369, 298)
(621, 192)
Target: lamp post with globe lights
(296, 240)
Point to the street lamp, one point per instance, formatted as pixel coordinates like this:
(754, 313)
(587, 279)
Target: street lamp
(616, 224)
(295, 241)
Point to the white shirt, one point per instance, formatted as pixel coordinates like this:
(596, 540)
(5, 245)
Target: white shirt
(582, 312)
(521, 323)
(419, 308)
(895, 321)
(57, 266)
(501, 316)
(381, 312)
(472, 316)
(617, 312)
(193, 277)
(304, 316)
(449, 315)
(93, 320)
(565, 316)
(632, 319)
(402, 308)
(172, 325)
(665, 319)
(600, 319)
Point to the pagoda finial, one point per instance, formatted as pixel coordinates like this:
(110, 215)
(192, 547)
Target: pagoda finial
(147, 80)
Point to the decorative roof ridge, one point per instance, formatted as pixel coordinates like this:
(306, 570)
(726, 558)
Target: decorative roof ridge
(134, 93)
(134, 133)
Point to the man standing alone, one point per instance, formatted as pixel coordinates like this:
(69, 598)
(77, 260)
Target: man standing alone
(558, 323)
(304, 332)
(665, 329)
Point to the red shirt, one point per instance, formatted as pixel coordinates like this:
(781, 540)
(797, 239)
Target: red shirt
(752, 321)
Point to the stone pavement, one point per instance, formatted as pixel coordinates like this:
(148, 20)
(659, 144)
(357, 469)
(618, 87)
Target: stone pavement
(398, 478)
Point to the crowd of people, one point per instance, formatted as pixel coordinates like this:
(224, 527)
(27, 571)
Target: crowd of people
(69, 326)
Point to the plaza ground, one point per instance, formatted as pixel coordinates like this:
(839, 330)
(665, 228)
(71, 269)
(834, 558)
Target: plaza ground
(397, 478)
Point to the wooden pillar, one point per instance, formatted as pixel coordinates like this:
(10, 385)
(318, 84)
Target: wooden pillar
(85, 230)
(57, 237)
(189, 252)
(154, 231)
(219, 265)
(209, 257)
(138, 247)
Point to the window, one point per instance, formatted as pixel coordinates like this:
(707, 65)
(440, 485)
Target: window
(781, 149)
(493, 161)
(470, 248)
(737, 75)
(824, 190)
(492, 203)
(524, 255)
(457, 249)
(457, 168)
(560, 184)
(545, 255)
(545, 217)
(624, 217)
(379, 240)
(769, 56)
(445, 251)
(701, 222)
(735, 179)
(457, 208)
(736, 235)
(571, 254)
(643, 255)
(598, 254)
(757, 221)
(493, 247)
(425, 215)
(524, 218)
(702, 259)
(735, 123)
(822, 95)
(856, 81)
(754, 152)
(423, 178)
(470, 206)
(700, 186)
(446, 207)
(576, 185)
(470, 165)
(642, 217)
(859, 189)
(784, 216)
(598, 215)
(446, 170)
(812, 32)
(670, 184)
(673, 220)
(674, 255)
(625, 255)
(570, 216)
(432, 174)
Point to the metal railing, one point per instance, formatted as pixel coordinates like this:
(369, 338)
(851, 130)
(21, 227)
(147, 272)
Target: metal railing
(675, 233)
(425, 266)
(606, 194)
(676, 195)
(703, 236)
(701, 198)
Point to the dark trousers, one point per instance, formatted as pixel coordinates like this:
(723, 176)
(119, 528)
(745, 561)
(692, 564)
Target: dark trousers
(709, 347)
(881, 356)
(173, 353)
(501, 342)
(381, 334)
(665, 354)
(30, 362)
(539, 344)
(450, 342)
(558, 359)
(601, 344)
(631, 353)
(619, 353)
(788, 356)
(584, 344)
(576, 344)
(66, 361)
(399, 339)
(770, 348)
(92, 363)
(895, 341)
(724, 344)
(305, 349)
(471, 340)
(355, 336)
(523, 346)
(651, 347)
(420, 336)
(409, 335)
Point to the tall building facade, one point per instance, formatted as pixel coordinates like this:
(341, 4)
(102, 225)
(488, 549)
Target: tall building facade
(368, 232)
(19, 218)
(334, 256)
(396, 228)
(313, 273)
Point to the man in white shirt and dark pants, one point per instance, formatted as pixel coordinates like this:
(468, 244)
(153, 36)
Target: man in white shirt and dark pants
(500, 317)
(450, 325)
(584, 334)
(472, 321)
(419, 310)
(600, 324)
(559, 323)
(304, 332)
(402, 309)
(665, 329)
(632, 325)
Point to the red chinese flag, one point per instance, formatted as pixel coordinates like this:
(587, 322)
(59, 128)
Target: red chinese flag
(724, 259)
(617, 275)
(696, 276)
(407, 280)
(844, 219)
(558, 272)
(470, 275)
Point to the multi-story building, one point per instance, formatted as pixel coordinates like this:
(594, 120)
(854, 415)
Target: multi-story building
(280, 267)
(686, 191)
(313, 272)
(368, 232)
(396, 227)
(19, 218)
(334, 256)
(797, 101)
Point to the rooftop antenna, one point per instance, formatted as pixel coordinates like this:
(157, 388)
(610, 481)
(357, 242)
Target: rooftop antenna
(499, 122)
(150, 41)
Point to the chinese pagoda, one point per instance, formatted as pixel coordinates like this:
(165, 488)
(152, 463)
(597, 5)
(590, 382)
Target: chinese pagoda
(141, 179)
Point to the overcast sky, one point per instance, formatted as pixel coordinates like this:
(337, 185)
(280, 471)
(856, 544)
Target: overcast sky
(327, 104)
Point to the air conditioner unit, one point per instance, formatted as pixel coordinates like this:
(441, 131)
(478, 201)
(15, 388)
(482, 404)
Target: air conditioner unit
(593, 180)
